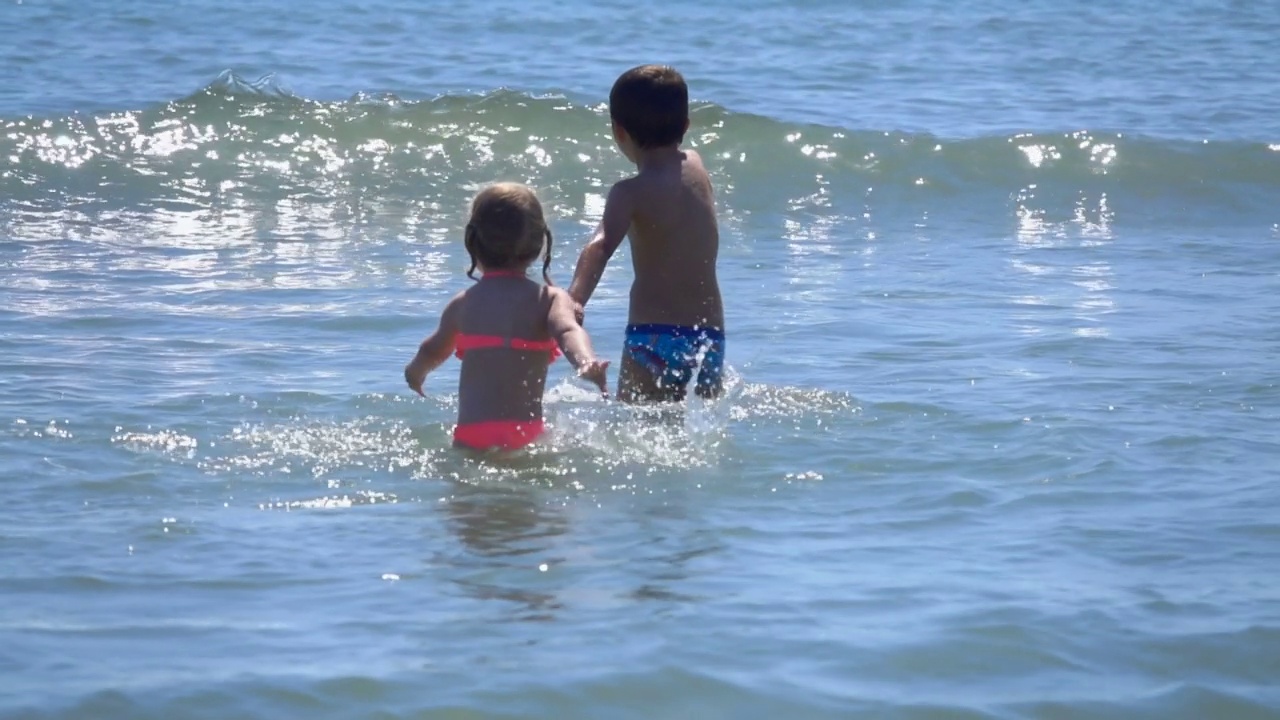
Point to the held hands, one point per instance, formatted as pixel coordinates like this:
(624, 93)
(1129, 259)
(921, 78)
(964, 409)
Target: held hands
(579, 305)
(596, 372)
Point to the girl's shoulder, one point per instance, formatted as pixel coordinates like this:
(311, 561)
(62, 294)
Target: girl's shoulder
(551, 295)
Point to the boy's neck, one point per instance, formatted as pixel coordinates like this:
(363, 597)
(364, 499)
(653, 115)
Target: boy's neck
(646, 157)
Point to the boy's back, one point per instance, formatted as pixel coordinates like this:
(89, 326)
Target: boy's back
(676, 320)
(674, 243)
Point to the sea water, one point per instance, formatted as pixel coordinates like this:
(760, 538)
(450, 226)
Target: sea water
(1000, 438)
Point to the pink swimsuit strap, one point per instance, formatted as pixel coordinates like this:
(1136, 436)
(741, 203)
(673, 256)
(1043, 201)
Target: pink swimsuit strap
(466, 342)
(463, 343)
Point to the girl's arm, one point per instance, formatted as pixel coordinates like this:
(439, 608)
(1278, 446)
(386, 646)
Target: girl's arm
(574, 341)
(436, 348)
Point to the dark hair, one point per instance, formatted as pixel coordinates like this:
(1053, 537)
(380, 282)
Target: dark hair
(507, 230)
(651, 102)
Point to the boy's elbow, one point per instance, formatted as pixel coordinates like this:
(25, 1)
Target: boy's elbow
(599, 250)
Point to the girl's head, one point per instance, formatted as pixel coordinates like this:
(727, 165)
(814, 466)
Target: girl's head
(507, 230)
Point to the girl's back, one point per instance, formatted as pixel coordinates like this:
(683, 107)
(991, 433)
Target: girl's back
(506, 328)
(498, 381)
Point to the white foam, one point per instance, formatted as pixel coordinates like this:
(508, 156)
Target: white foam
(168, 442)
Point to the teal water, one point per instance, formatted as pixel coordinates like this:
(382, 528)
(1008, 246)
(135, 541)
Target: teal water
(1003, 295)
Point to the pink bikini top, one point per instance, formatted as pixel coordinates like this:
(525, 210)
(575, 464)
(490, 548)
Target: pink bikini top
(464, 342)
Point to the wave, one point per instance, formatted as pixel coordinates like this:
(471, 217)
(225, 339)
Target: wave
(238, 143)
(230, 84)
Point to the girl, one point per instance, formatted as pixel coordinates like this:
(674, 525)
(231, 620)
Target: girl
(506, 328)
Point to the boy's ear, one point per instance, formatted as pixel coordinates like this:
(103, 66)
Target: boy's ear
(686, 125)
(619, 133)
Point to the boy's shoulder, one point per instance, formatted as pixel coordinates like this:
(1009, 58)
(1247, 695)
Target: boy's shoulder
(622, 195)
(626, 185)
(647, 185)
(694, 160)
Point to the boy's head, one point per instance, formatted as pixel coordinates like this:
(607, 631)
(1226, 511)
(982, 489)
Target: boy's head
(507, 230)
(651, 103)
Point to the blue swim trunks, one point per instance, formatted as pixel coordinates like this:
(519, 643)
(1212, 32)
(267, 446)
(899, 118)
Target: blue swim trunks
(671, 353)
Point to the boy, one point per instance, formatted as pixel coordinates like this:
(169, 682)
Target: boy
(676, 318)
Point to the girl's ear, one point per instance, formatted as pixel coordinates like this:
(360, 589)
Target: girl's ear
(469, 241)
(546, 260)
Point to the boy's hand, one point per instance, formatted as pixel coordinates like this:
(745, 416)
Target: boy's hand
(596, 372)
(579, 312)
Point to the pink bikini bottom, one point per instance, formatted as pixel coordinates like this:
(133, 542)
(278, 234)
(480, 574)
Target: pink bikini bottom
(497, 434)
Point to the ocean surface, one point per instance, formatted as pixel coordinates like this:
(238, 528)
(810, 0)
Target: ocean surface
(1002, 435)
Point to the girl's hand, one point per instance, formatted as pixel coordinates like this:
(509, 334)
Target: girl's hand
(596, 372)
(414, 379)
(435, 349)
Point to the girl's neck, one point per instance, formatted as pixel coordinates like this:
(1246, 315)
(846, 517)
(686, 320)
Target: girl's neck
(504, 273)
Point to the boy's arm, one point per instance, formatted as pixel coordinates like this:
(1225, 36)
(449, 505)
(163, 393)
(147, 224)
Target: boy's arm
(574, 341)
(608, 236)
(436, 348)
